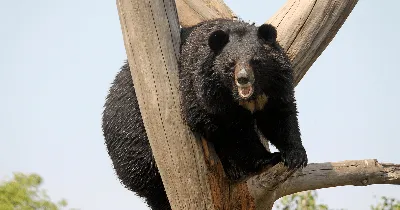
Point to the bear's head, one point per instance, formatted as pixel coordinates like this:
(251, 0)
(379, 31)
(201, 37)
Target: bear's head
(238, 64)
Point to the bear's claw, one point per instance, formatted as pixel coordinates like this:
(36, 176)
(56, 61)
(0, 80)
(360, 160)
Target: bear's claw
(295, 158)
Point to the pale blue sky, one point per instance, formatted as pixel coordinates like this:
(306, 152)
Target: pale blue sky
(58, 58)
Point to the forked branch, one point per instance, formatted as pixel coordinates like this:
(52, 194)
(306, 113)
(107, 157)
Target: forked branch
(192, 177)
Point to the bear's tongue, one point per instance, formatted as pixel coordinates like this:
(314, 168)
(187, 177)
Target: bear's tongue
(245, 92)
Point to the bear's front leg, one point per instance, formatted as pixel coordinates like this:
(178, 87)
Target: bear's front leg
(278, 123)
(242, 153)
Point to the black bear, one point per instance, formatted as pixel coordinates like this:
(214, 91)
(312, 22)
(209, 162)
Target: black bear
(234, 78)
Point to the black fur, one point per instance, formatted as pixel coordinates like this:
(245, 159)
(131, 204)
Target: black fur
(211, 107)
(267, 32)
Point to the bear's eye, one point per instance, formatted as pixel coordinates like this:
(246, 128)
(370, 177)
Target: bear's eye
(267, 32)
(231, 63)
(229, 66)
(217, 40)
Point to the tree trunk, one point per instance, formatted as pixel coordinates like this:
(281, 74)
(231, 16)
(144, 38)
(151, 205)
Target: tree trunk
(192, 174)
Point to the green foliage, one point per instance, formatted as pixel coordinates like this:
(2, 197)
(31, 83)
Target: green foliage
(23, 192)
(301, 201)
(387, 204)
(307, 201)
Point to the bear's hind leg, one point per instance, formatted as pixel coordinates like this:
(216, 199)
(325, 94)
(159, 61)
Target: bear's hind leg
(158, 200)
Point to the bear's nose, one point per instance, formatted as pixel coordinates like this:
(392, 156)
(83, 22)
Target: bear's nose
(243, 77)
(243, 80)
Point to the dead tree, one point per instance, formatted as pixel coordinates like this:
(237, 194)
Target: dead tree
(191, 172)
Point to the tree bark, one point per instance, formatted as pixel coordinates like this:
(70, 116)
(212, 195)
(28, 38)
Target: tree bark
(192, 12)
(151, 36)
(306, 27)
(192, 174)
(351, 172)
(268, 187)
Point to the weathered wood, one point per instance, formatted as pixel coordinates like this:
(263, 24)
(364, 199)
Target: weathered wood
(262, 187)
(192, 175)
(191, 12)
(350, 172)
(151, 36)
(306, 27)
(225, 195)
(321, 175)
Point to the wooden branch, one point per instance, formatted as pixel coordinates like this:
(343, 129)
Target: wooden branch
(352, 172)
(306, 27)
(226, 195)
(192, 177)
(263, 187)
(151, 36)
(321, 175)
(192, 12)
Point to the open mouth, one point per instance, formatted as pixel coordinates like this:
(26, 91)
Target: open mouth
(245, 91)
(244, 80)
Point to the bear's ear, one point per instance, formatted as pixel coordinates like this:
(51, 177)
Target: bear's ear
(267, 32)
(217, 40)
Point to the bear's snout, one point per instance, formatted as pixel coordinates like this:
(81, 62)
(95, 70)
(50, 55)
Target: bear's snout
(243, 77)
(244, 80)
